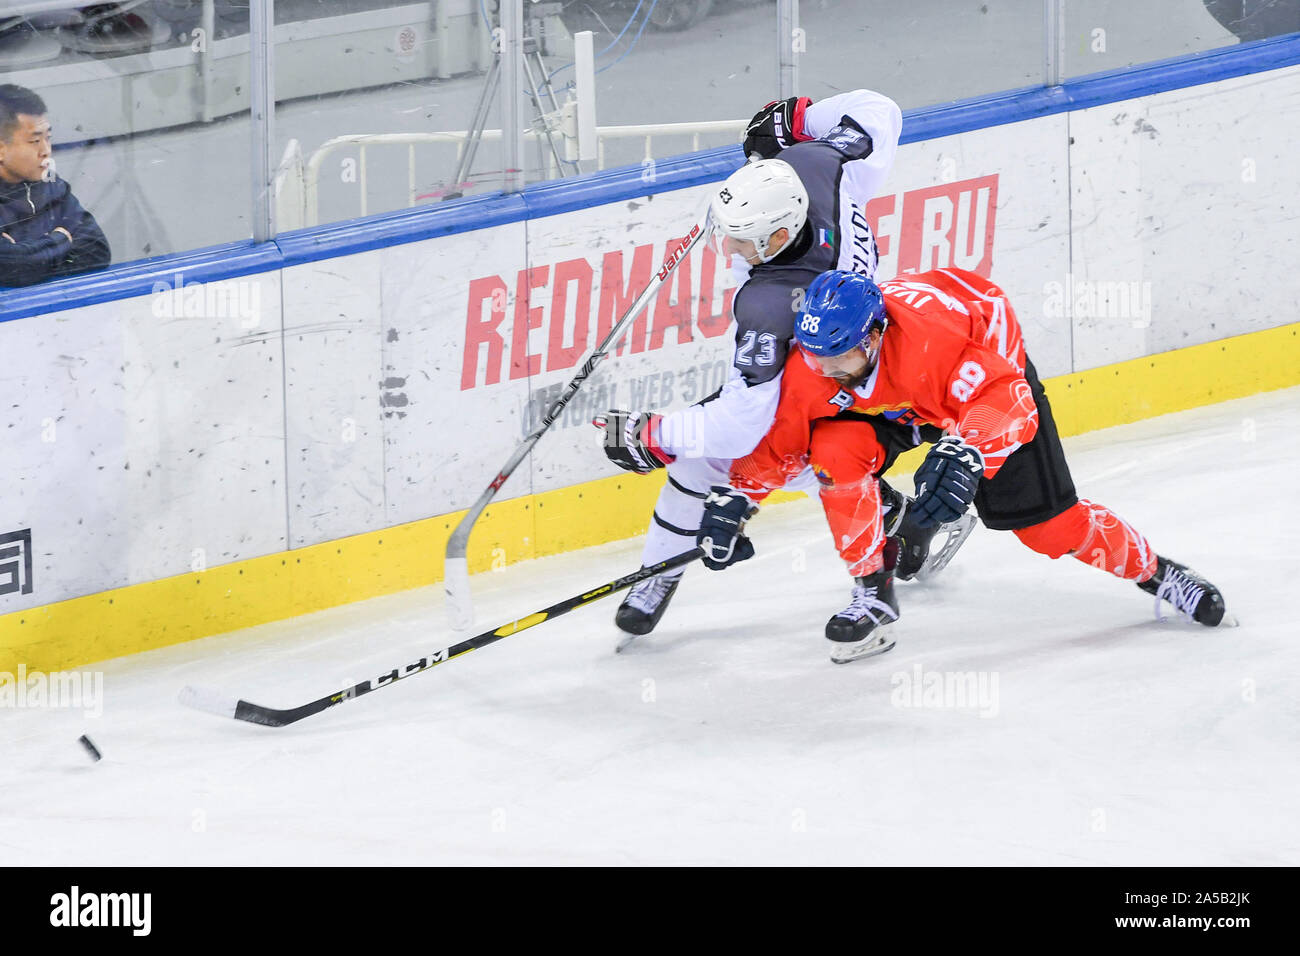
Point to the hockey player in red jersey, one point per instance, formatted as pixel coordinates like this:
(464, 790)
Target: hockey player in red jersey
(941, 348)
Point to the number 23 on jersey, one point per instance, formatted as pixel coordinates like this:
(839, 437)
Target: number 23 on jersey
(764, 342)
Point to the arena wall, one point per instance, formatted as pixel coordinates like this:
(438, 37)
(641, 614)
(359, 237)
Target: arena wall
(238, 435)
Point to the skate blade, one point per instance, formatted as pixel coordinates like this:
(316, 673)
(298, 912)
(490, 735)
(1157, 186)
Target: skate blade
(856, 652)
(955, 535)
(624, 641)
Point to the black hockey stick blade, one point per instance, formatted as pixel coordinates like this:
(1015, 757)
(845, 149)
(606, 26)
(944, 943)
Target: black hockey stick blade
(224, 706)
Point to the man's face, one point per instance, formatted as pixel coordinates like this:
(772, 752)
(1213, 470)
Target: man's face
(850, 369)
(747, 250)
(744, 248)
(26, 155)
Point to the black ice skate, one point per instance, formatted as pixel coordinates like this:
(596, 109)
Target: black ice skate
(856, 630)
(922, 552)
(645, 605)
(1191, 595)
(947, 539)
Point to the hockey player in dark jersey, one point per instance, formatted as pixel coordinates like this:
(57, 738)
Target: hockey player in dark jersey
(781, 222)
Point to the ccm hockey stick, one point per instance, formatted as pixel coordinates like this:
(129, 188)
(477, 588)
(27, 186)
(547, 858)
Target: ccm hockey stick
(460, 604)
(202, 699)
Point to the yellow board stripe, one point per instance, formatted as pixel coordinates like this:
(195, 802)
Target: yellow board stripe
(1172, 381)
(287, 584)
(229, 597)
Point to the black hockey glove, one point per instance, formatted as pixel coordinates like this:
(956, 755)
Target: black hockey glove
(777, 125)
(632, 440)
(946, 482)
(725, 514)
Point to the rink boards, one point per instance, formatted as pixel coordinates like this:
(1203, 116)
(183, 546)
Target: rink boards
(209, 455)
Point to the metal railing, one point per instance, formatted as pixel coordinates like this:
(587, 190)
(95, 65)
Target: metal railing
(650, 130)
(298, 182)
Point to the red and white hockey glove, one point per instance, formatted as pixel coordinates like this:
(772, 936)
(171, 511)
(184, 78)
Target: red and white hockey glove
(631, 440)
(777, 125)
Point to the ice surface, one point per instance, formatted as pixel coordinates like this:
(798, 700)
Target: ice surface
(727, 736)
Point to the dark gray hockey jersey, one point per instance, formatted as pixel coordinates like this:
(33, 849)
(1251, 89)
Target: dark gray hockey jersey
(841, 170)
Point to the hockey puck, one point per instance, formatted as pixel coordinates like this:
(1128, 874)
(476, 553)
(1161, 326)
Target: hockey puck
(90, 747)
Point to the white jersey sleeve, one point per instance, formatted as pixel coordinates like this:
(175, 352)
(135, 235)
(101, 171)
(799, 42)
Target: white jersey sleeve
(729, 426)
(876, 115)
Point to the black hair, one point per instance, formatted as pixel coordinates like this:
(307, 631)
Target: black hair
(15, 100)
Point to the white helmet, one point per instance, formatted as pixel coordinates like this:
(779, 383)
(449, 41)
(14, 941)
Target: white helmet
(757, 200)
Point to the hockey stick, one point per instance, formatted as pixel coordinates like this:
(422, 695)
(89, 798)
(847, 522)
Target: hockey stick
(202, 699)
(460, 606)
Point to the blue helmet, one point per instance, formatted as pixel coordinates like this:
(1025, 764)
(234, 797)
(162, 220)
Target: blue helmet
(839, 310)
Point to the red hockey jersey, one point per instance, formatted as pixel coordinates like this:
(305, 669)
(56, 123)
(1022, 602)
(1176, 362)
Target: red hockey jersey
(952, 356)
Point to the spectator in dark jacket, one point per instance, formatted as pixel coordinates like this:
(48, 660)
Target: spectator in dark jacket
(44, 232)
